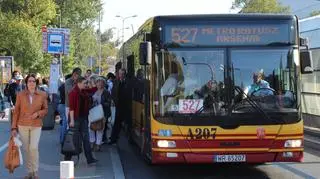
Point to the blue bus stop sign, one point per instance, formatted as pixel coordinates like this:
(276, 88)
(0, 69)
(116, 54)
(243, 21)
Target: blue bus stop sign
(55, 43)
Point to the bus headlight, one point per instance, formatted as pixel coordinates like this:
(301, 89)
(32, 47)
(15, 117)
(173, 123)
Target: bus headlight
(166, 144)
(293, 143)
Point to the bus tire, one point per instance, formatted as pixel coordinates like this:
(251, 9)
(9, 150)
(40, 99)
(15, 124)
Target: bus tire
(255, 164)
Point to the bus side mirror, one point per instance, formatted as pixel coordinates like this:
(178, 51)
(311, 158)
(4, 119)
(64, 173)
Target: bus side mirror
(145, 53)
(306, 62)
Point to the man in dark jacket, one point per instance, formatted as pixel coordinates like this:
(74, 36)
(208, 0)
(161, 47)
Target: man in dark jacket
(14, 88)
(121, 95)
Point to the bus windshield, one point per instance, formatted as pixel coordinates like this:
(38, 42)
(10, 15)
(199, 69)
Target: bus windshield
(190, 81)
(193, 81)
(266, 76)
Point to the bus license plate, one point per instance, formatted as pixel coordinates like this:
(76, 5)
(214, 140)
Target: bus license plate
(229, 158)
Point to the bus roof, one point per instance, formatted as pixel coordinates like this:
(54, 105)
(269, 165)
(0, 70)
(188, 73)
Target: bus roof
(251, 16)
(214, 17)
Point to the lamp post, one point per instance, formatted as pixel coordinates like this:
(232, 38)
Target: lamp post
(2, 66)
(123, 20)
(60, 55)
(99, 65)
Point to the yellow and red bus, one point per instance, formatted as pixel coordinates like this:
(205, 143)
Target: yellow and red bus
(217, 88)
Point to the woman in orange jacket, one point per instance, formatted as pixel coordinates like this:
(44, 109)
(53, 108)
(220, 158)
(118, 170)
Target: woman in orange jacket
(31, 107)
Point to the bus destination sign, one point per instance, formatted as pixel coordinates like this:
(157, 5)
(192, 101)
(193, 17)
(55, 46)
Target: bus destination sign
(226, 34)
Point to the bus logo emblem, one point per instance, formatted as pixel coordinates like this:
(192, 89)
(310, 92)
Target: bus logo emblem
(261, 133)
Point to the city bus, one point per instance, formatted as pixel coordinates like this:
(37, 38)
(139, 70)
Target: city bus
(310, 28)
(217, 88)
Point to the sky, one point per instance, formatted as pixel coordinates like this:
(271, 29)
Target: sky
(144, 9)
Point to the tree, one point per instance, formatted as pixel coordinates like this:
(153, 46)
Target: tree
(86, 46)
(78, 13)
(314, 13)
(79, 16)
(106, 36)
(20, 32)
(260, 6)
(22, 40)
(20, 22)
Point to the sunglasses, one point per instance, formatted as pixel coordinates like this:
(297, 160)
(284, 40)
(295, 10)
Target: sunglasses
(31, 81)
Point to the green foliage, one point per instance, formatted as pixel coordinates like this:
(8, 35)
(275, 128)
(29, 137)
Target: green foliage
(261, 6)
(106, 36)
(86, 46)
(23, 41)
(20, 22)
(40, 12)
(79, 13)
(133, 44)
(12, 6)
(20, 32)
(314, 13)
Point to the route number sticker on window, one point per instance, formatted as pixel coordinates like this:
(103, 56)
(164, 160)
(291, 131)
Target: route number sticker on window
(190, 105)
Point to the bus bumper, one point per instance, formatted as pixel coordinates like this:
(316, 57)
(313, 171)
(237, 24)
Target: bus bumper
(206, 158)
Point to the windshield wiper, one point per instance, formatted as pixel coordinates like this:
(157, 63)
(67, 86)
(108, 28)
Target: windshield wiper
(252, 102)
(279, 44)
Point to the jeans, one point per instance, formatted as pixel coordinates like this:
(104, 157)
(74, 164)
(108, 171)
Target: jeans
(64, 123)
(120, 115)
(82, 124)
(96, 136)
(30, 137)
(111, 121)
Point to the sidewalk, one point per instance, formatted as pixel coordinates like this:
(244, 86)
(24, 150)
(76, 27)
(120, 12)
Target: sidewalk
(109, 165)
(8, 113)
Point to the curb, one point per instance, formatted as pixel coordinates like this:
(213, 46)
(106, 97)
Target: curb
(116, 163)
(312, 131)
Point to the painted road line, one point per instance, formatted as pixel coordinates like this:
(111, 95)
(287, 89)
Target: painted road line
(312, 141)
(116, 163)
(95, 176)
(312, 128)
(295, 171)
(7, 116)
(4, 146)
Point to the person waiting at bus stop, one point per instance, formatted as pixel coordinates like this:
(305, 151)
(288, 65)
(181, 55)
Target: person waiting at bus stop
(14, 88)
(69, 84)
(79, 104)
(62, 110)
(121, 97)
(103, 97)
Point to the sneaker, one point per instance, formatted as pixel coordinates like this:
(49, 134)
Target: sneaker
(112, 142)
(92, 162)
(97, 148)
(29, 176)
(35, 175)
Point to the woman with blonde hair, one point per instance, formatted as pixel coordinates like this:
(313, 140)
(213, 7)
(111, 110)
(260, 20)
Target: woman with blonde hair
(31, 107)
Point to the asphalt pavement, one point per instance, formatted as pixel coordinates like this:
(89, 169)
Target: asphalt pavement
(108, 167)
(135, 168)
(124, 161)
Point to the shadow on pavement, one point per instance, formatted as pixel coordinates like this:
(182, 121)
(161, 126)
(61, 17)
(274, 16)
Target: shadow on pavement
(135, 167)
